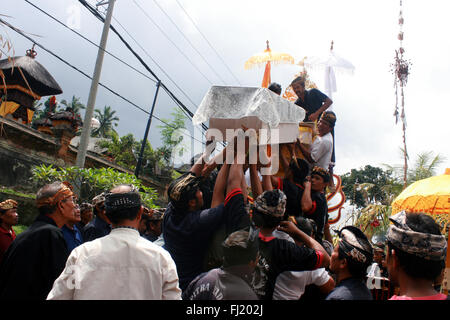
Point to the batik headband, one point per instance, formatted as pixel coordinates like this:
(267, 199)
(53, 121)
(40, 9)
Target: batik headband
(261, 205)
(321, 172)
(424, 245)
(357, 249)
(157, 214)
(237, 254)
(8, 204)
(63, 193)
(329, 117)
(184, 185)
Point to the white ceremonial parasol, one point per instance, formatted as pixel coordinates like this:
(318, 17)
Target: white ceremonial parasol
(331, 63)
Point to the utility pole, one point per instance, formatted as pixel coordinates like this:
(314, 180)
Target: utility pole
(141, 153)
(86, 132)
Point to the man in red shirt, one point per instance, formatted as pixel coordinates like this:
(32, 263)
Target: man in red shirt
(8, 218)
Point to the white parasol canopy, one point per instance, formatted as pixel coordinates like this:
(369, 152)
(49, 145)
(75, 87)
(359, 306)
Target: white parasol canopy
(330, 64)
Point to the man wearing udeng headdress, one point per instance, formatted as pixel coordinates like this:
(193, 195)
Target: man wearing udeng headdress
(321, 150)
(8, 218)
(416, 256)
(349, 261)
(188, 230)
(37, 256)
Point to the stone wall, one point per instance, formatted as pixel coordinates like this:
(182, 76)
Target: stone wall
(22, 148)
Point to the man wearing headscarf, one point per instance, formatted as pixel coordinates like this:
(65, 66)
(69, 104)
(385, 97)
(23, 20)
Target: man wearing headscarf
(416, 256)
(150, 225)
(231, 281)
(86, 214)
(100, 225)
(38, 255)
(279, 255)
(121, 265)
(320, 153)
(188, 230)
(350, 259)
(8, 218)
(314, 203)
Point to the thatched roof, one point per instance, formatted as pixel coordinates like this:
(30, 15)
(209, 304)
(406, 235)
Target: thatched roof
(40, 80)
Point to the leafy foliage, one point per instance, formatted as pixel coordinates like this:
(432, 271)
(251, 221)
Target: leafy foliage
(370, 185)
(425, 166)
(167, 132)
(373, 220)
(121, 149)
(92, 181)
(108, 121)
(75, 104)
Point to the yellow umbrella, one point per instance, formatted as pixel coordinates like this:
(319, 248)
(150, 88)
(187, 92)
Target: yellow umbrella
(267, 57)
(431, 196)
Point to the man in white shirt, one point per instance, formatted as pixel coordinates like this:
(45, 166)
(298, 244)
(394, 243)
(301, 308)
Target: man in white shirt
(122, 265)
(322, 147)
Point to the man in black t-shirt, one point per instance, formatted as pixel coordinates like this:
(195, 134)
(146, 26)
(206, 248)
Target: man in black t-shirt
(292, 185)
(314, 202)
(278, 255)
(313, 101)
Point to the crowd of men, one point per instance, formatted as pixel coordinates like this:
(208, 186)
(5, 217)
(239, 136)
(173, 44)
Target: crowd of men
(220, 237)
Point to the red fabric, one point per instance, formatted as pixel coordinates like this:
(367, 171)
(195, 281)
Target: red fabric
(439, 296)
(313, 209)
(6, 238)
(264, 238)
(231, 194)
(300, 186)
(280, 184)
(319, 259)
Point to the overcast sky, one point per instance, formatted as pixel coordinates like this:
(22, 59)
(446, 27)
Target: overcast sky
(364, 32)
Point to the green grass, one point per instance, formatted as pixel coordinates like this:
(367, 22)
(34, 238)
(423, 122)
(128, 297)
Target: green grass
(19, 228)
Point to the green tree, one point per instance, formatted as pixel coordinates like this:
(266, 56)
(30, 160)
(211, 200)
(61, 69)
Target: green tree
(107, 120)
(43, 109)
(92, 181)
(121, 149)
(425, 166)
(167, 133)
(75, 104)
(152, 163)
(369, 185)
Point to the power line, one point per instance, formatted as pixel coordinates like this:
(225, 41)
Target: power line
(190, 43)
(148, 55)
(209, 43)
(88, 40)
(185, 110)
(85, 74)
(98, 16)
(173, 43)
(91, 42)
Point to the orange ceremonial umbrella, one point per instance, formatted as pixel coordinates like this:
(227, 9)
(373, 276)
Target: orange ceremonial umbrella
(267, 57)
(431, 196)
